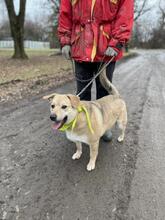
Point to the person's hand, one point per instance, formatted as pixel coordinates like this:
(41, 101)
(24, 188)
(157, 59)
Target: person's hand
(111, 52)
(66, 51)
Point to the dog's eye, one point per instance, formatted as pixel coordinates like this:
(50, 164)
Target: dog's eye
(52, 106)
(64, 107)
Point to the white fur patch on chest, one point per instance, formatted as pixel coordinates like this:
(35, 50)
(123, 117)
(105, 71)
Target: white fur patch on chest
(74, 137)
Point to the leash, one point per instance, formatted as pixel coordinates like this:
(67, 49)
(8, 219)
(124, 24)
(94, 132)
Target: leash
(100, 70)
(84, 80)
(80, 109)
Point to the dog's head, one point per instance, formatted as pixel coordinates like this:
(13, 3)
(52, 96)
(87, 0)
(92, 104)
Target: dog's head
(63, 108)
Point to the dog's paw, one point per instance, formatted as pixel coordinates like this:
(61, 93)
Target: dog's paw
(120, 139)
(91, 166)
(76, 156)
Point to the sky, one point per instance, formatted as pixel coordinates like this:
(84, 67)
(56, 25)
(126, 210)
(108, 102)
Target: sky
(36, 10)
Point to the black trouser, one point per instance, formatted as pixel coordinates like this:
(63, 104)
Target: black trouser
(84, 72)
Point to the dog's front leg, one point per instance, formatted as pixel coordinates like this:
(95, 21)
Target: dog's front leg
(93, 155)
(78, 153)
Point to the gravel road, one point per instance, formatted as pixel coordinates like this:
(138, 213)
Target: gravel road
(40, 181)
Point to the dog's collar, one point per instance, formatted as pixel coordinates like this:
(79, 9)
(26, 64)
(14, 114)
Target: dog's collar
(71, 125)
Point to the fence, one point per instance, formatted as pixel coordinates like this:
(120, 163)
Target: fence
(27, 44)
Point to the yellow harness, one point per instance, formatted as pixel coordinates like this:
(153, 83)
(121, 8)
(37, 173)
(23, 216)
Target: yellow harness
(72, 124)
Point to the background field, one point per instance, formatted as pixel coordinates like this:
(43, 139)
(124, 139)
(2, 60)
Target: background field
(43, 70)
(39, 63)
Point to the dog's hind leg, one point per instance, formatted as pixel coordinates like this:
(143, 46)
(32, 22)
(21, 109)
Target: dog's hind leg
(122, 122)
(78, 153)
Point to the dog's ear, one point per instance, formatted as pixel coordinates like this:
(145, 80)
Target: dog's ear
(74, 100)
(49, 97)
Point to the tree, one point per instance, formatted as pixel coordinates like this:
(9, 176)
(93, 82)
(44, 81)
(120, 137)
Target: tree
(162, 17)
(53, 6)
(17, 27)
(136, 36)
(140, 8)
(4, 30)
(34, 31)
(2, 11)
(158, 40)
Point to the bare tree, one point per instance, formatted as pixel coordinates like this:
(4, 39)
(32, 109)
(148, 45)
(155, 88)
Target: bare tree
(34, 31)
(4, 30)
(53, 6)
(17, 27)
(2, 11)
(158, 40)
(140, 8)
(162, 18)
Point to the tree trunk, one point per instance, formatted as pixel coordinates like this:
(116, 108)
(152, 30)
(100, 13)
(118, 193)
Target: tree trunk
(18, 37)
(17, 28)
(126, 48)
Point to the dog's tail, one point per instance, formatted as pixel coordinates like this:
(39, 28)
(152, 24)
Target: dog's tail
(111, 89)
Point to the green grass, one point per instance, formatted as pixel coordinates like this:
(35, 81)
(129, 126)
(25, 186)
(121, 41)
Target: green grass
(38, 64)
(29, 52)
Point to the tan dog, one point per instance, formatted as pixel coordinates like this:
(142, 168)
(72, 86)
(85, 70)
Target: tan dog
(87, 121)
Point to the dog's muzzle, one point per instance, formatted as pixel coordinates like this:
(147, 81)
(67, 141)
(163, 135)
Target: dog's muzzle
(56, 123)
(53, 117)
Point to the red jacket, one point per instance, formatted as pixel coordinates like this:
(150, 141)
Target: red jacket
(90, 26)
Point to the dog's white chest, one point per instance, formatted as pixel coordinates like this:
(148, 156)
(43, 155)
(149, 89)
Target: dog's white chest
(74, 137)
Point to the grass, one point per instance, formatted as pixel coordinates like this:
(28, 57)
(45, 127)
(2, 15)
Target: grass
(30, 52)
(38, 64)
(20, 78)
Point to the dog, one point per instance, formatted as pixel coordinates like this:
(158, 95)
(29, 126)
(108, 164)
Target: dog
(87, 121)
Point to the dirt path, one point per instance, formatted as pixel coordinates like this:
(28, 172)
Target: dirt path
(39, 180)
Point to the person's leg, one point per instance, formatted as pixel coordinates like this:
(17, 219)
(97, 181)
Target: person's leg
(83, 74)
(110, 70)
(101, 92)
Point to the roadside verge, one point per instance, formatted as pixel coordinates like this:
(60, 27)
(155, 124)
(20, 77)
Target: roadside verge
(20, 88)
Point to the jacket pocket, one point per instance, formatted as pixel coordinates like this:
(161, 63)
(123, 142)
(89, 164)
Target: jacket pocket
(76, 32)
(76, 41)
(103, 41)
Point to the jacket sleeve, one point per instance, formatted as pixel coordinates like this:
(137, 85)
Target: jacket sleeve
(65, 22)
(123, 22)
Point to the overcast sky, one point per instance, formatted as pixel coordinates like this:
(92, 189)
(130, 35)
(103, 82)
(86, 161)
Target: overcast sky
(36, 10)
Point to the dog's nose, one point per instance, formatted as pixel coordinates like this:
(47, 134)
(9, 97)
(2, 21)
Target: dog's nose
(53, 117)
